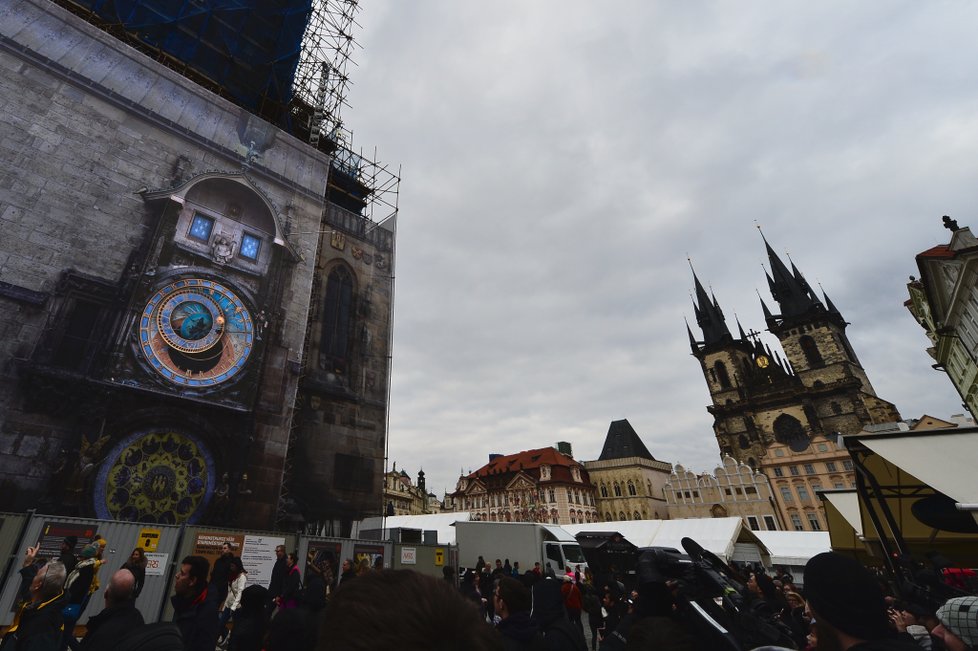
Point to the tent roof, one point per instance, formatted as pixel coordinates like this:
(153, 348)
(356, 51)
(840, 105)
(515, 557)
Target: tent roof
(794, 547)
(943, 460)
(440, 522)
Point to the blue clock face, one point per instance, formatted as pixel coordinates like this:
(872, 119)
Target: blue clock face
(196, 333)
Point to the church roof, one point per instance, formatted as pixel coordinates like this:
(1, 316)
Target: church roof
(623, 442)
(500, 470)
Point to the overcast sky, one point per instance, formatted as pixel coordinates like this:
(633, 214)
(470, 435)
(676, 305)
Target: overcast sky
(561, 159)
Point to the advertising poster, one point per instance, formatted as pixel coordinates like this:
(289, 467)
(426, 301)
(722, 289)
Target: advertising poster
(373, 554)
(208, 545)
(52, 533)
(324, 551)
(258, 558)
(409, 556)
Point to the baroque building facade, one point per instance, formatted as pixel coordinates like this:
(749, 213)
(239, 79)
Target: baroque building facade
(402, 497)
(796, 403)
(944, 301)
(733, 490)
(196, 307)
(628, 480)
(541, 485)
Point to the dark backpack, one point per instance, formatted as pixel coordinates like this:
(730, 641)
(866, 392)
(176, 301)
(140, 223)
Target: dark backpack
(161, 636)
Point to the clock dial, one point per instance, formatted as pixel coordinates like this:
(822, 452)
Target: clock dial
(762, 361)
(196, 333)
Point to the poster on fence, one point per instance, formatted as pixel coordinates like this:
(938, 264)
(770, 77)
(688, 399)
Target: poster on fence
(371, 555)
(52, 533)
(324, 551)
(258, 558)
(156, 563)
(257, 552)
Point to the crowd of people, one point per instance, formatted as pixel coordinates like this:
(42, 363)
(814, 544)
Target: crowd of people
(843, 606)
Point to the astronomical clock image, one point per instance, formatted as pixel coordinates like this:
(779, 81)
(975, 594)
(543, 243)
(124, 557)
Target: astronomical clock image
(196, 271)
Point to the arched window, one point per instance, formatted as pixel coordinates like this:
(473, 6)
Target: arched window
(604, 491)
(621, 516)
(337, 341)
(722, 377)
(617, 490)
(743, 441)
(718, 511)
(607, 517)
(810, 349)
(631, 488)
(636, 516)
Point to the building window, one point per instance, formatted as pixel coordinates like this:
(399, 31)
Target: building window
(796, 522)
(750, 490)
(631, 490)
(607, 517)
(769, 523)
(778, 472)
(786, 495)
(636, 516)
(752, 523)
(553, 498)
(621, 516)
(337, 321)
(779, 452)
(617, 490)
(830, 466)
(803, 493)
(201, 228)
(810, 349)
(794, 471)
(822, 447)
(722, 375)
(813, 522)
(809, 469)
(847, 464)
(250, 247)
(838, 485)
(836, 408)
(604, 492)
(727, 491)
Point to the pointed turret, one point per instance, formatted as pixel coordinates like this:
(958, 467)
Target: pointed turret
(692, 340)
(790, 290)
(709, 316)
(740, 330)
(833, 310)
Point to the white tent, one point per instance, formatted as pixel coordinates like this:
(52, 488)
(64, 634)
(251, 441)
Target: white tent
(440, 522)
(793, 549)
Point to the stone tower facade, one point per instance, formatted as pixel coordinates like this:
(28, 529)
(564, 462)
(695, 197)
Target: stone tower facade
(196, 313)
(798, 401)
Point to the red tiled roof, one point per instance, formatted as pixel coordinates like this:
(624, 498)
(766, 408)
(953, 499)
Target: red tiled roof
(526, 460)
(939, 251)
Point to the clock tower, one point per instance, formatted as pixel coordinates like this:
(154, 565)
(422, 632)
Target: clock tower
(781, 411)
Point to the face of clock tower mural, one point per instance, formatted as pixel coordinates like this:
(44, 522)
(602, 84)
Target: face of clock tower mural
(175, 347)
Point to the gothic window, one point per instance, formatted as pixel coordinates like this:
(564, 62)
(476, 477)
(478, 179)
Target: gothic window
(636, 516)
(810, 349)
(631, 489)
(743, 441)
(604, 491)
(617, 490)
(722, 376)
(836, 408)
(789, 430)
(607, 517)
(621, 516)
(338, 321)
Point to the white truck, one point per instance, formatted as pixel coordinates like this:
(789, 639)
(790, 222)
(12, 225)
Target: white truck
(524, 542)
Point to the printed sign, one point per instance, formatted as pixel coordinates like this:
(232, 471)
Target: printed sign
(149, 539)
(156, 563)
(258, 558)
(52, 533)
(409, 556)
(439, 557)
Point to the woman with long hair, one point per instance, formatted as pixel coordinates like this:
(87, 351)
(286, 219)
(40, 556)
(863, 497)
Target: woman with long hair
(292, 585)
(136, 563)
(237, 577)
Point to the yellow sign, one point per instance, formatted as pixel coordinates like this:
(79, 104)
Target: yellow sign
(149, 539)
(439, 556)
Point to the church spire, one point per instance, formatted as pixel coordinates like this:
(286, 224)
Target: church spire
(790, 290)
(709, 316)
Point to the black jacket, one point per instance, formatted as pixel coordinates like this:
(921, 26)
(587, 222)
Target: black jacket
(197, 620)
(279, 570)
(519, 633)
(111, 625)
(36, 627)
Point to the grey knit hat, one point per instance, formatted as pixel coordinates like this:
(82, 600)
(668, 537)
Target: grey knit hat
(960, 616)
